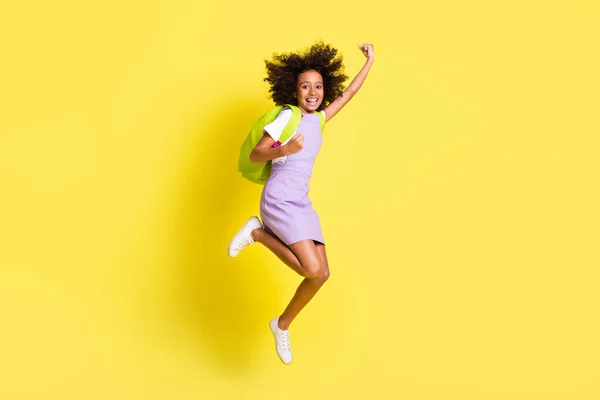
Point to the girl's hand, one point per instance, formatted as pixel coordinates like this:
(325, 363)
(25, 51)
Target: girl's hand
(295, 144)
(367, 50)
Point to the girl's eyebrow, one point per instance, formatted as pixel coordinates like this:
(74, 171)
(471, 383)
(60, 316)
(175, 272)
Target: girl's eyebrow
(310, 82)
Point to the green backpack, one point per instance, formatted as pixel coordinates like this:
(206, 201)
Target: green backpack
(260, 172)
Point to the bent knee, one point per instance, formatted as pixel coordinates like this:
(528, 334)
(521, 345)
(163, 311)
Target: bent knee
(311, 270)
(320, 273)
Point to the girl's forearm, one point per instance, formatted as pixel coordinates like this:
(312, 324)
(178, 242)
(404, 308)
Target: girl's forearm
(261, 154)
(359, 78)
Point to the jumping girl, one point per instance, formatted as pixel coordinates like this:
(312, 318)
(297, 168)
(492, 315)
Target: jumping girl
(313, 80)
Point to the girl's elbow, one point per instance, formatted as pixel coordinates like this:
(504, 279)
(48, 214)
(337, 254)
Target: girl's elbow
(253, 157)
(351, 92)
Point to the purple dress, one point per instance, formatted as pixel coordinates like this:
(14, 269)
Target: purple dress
(285, 209)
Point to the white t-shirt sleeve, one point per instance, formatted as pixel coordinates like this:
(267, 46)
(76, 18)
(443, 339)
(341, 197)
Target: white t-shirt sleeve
(275, 128)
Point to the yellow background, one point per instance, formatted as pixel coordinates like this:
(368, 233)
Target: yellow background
(458, 193)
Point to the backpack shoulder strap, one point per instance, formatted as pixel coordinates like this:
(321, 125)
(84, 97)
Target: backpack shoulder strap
(321, 121)
(292, 124)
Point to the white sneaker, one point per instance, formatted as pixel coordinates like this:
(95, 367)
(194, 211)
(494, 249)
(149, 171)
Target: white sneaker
(243, 239)
(282, 341)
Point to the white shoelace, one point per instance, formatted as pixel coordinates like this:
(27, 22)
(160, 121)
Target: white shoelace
(285, 340)
(245, 243)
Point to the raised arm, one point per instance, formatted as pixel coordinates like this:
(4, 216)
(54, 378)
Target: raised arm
(339, 102)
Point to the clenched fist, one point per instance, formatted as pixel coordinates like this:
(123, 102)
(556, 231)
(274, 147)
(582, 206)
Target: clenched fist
(295, 144)
(367, 50)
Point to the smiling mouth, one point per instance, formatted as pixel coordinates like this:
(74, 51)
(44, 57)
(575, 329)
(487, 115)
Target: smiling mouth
(312, 101)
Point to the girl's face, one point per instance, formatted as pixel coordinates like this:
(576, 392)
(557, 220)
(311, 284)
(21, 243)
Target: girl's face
(309, 91)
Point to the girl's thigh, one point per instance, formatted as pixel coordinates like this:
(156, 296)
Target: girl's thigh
(323, 254)
(309, 256)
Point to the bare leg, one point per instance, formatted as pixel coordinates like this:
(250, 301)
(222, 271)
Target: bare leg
(280, 249)
(314, 259)
(307, 259)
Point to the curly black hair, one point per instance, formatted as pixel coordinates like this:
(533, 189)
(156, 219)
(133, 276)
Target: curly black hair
(283, 71)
